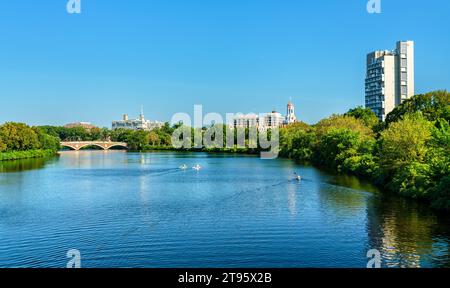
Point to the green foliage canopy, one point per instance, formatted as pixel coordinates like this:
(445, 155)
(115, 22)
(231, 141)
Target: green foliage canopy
(18, 137)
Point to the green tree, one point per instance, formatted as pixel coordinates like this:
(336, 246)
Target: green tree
(75, 133)
(413, 180)
(47, 142)
(363, 165)
(368, 117)
(19, 137)
(95, 134)
(433, 106)
(287, 135)
(299, 145)
(438, 158)
(153, 138)
(121, 135)
(343, 122)
(441, 196)
(137, 140)
(105, 134)
(2, 145)
(404, 142)
(335, 146)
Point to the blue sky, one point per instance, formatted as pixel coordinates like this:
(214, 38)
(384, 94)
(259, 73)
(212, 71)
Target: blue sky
(230, 56)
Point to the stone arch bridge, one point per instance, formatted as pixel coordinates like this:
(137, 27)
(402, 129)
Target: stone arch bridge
(105, 145)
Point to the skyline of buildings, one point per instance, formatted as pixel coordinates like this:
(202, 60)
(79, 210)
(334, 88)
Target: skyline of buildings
(389, 81)
(263, 121)
(267, 120)
(139, 123)
(389, 78)
(214, 63)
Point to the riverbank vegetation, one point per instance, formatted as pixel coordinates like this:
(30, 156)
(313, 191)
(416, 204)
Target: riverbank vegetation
(136, 140)
(407, 154)
(19, 141)
(18, 155)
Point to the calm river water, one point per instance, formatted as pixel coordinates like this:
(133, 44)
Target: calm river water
(139, 210)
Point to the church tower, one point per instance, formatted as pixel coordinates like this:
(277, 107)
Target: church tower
(290, 116)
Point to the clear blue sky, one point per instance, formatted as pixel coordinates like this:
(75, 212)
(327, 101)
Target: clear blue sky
(230, 56)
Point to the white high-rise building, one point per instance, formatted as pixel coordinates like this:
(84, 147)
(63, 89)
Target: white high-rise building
(389, 78)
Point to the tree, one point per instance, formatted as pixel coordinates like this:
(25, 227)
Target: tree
(95, 134)
(344, 122)
(76, 133)
(363, 165)
(298, 126)
(137, 140)
(413, 180)
(105, 134)
(335, 146)
(434, 105)
(405, 142)
(296, 142)
(2, 145)
(441, 196)
(153, 138)
(439, 159)
(47, 142)
(19, 137)
(368, 117)
(121, 135)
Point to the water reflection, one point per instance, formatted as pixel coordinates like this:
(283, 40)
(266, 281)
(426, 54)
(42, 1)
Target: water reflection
(292, 198)
(236, 212)
(343, 200)
(407, 233)
(23, 165)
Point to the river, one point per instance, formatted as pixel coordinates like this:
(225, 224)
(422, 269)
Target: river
(124, 209)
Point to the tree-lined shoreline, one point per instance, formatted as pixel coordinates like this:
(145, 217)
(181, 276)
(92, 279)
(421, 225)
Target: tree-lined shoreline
(19, 141)
(408, 154)
(29, 154)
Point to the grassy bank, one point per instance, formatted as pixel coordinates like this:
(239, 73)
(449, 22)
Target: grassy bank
(17, 155)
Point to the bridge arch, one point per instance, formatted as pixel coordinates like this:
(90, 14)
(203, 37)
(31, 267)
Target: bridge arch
(123, 145)
(77, 145)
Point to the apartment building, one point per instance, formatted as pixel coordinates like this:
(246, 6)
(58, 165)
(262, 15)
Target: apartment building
(389, 78)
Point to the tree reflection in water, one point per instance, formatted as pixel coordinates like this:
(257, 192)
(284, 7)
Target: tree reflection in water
(23, 165)
(407, 233)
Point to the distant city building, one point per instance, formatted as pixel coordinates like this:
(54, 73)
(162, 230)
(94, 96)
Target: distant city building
(266, 121)
(389, 78)
(136, 124)
(272, 120)
(290, 115)
(246, 121)
(86, 125)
